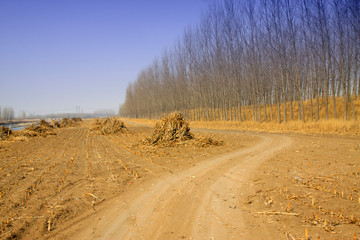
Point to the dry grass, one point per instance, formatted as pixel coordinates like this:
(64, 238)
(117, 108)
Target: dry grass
(142, 121)
(333, 126)
(320, 127)
(272, 111)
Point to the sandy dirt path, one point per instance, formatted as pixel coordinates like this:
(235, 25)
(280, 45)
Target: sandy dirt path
(203, 202)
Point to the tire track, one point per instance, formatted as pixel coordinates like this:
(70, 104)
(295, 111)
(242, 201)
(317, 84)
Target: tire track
(199, 203)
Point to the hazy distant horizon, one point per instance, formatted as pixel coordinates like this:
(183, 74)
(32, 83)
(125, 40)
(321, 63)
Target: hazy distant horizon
(64, 56)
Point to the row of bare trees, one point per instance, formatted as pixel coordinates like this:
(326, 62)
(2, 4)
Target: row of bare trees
(6, 113)
(257, 55)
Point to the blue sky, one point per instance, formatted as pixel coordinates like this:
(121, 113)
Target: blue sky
(59, 54)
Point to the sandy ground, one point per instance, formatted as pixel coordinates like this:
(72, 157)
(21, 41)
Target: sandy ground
(79, 185)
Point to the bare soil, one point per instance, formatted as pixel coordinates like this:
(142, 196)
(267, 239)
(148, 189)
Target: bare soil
(81, 185)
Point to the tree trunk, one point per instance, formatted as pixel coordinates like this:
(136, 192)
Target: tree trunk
(278, 110)
(239, 110)
(317, 106)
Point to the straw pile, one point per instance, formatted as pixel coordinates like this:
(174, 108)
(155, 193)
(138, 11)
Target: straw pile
(76, 119)
(44, 129)
(66, 122)
(207, 141)
(5, 132)
(44, 124)
(55, 124)
(172, 128)
(108, 126)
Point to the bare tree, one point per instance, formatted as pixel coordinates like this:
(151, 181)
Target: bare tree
(245, 56)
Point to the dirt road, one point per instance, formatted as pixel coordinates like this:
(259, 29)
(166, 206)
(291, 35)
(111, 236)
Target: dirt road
(203, 202)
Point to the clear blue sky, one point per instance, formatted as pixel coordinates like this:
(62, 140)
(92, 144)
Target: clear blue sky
(59, 54)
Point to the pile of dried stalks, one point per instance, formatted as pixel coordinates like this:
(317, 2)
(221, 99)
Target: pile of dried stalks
(172, 128)
(55, 124)
(5, 132)
(44, 129)
(76, 119)
(108, 126)
(65, 122)
(69, 122)
(44, 124)
(207, 141)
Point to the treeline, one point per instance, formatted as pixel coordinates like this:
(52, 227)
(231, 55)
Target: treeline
(257, 55)
(97, 114)
(6, 113)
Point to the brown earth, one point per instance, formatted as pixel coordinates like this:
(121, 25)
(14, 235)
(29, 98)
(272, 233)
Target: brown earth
(80, 185)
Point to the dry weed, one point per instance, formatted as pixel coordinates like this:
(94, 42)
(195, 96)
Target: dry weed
(319, 127)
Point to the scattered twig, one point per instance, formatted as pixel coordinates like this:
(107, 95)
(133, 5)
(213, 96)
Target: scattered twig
(327, 179)
(289, 236)
(278, 213)
(19, 218)
(92, 195)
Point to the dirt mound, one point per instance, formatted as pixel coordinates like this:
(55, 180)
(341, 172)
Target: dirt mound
(108, 126)
(172, 128)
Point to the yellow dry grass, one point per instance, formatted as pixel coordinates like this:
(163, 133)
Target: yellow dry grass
(340, 109)
(321, 127)
(272, 111)
(142, 121)
(332, 126)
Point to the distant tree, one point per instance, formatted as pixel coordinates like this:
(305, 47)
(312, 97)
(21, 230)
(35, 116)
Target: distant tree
(23, 114)
(104, 113)
(7, 113)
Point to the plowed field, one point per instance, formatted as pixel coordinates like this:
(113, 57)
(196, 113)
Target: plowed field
(80, 185)
(46, 182)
